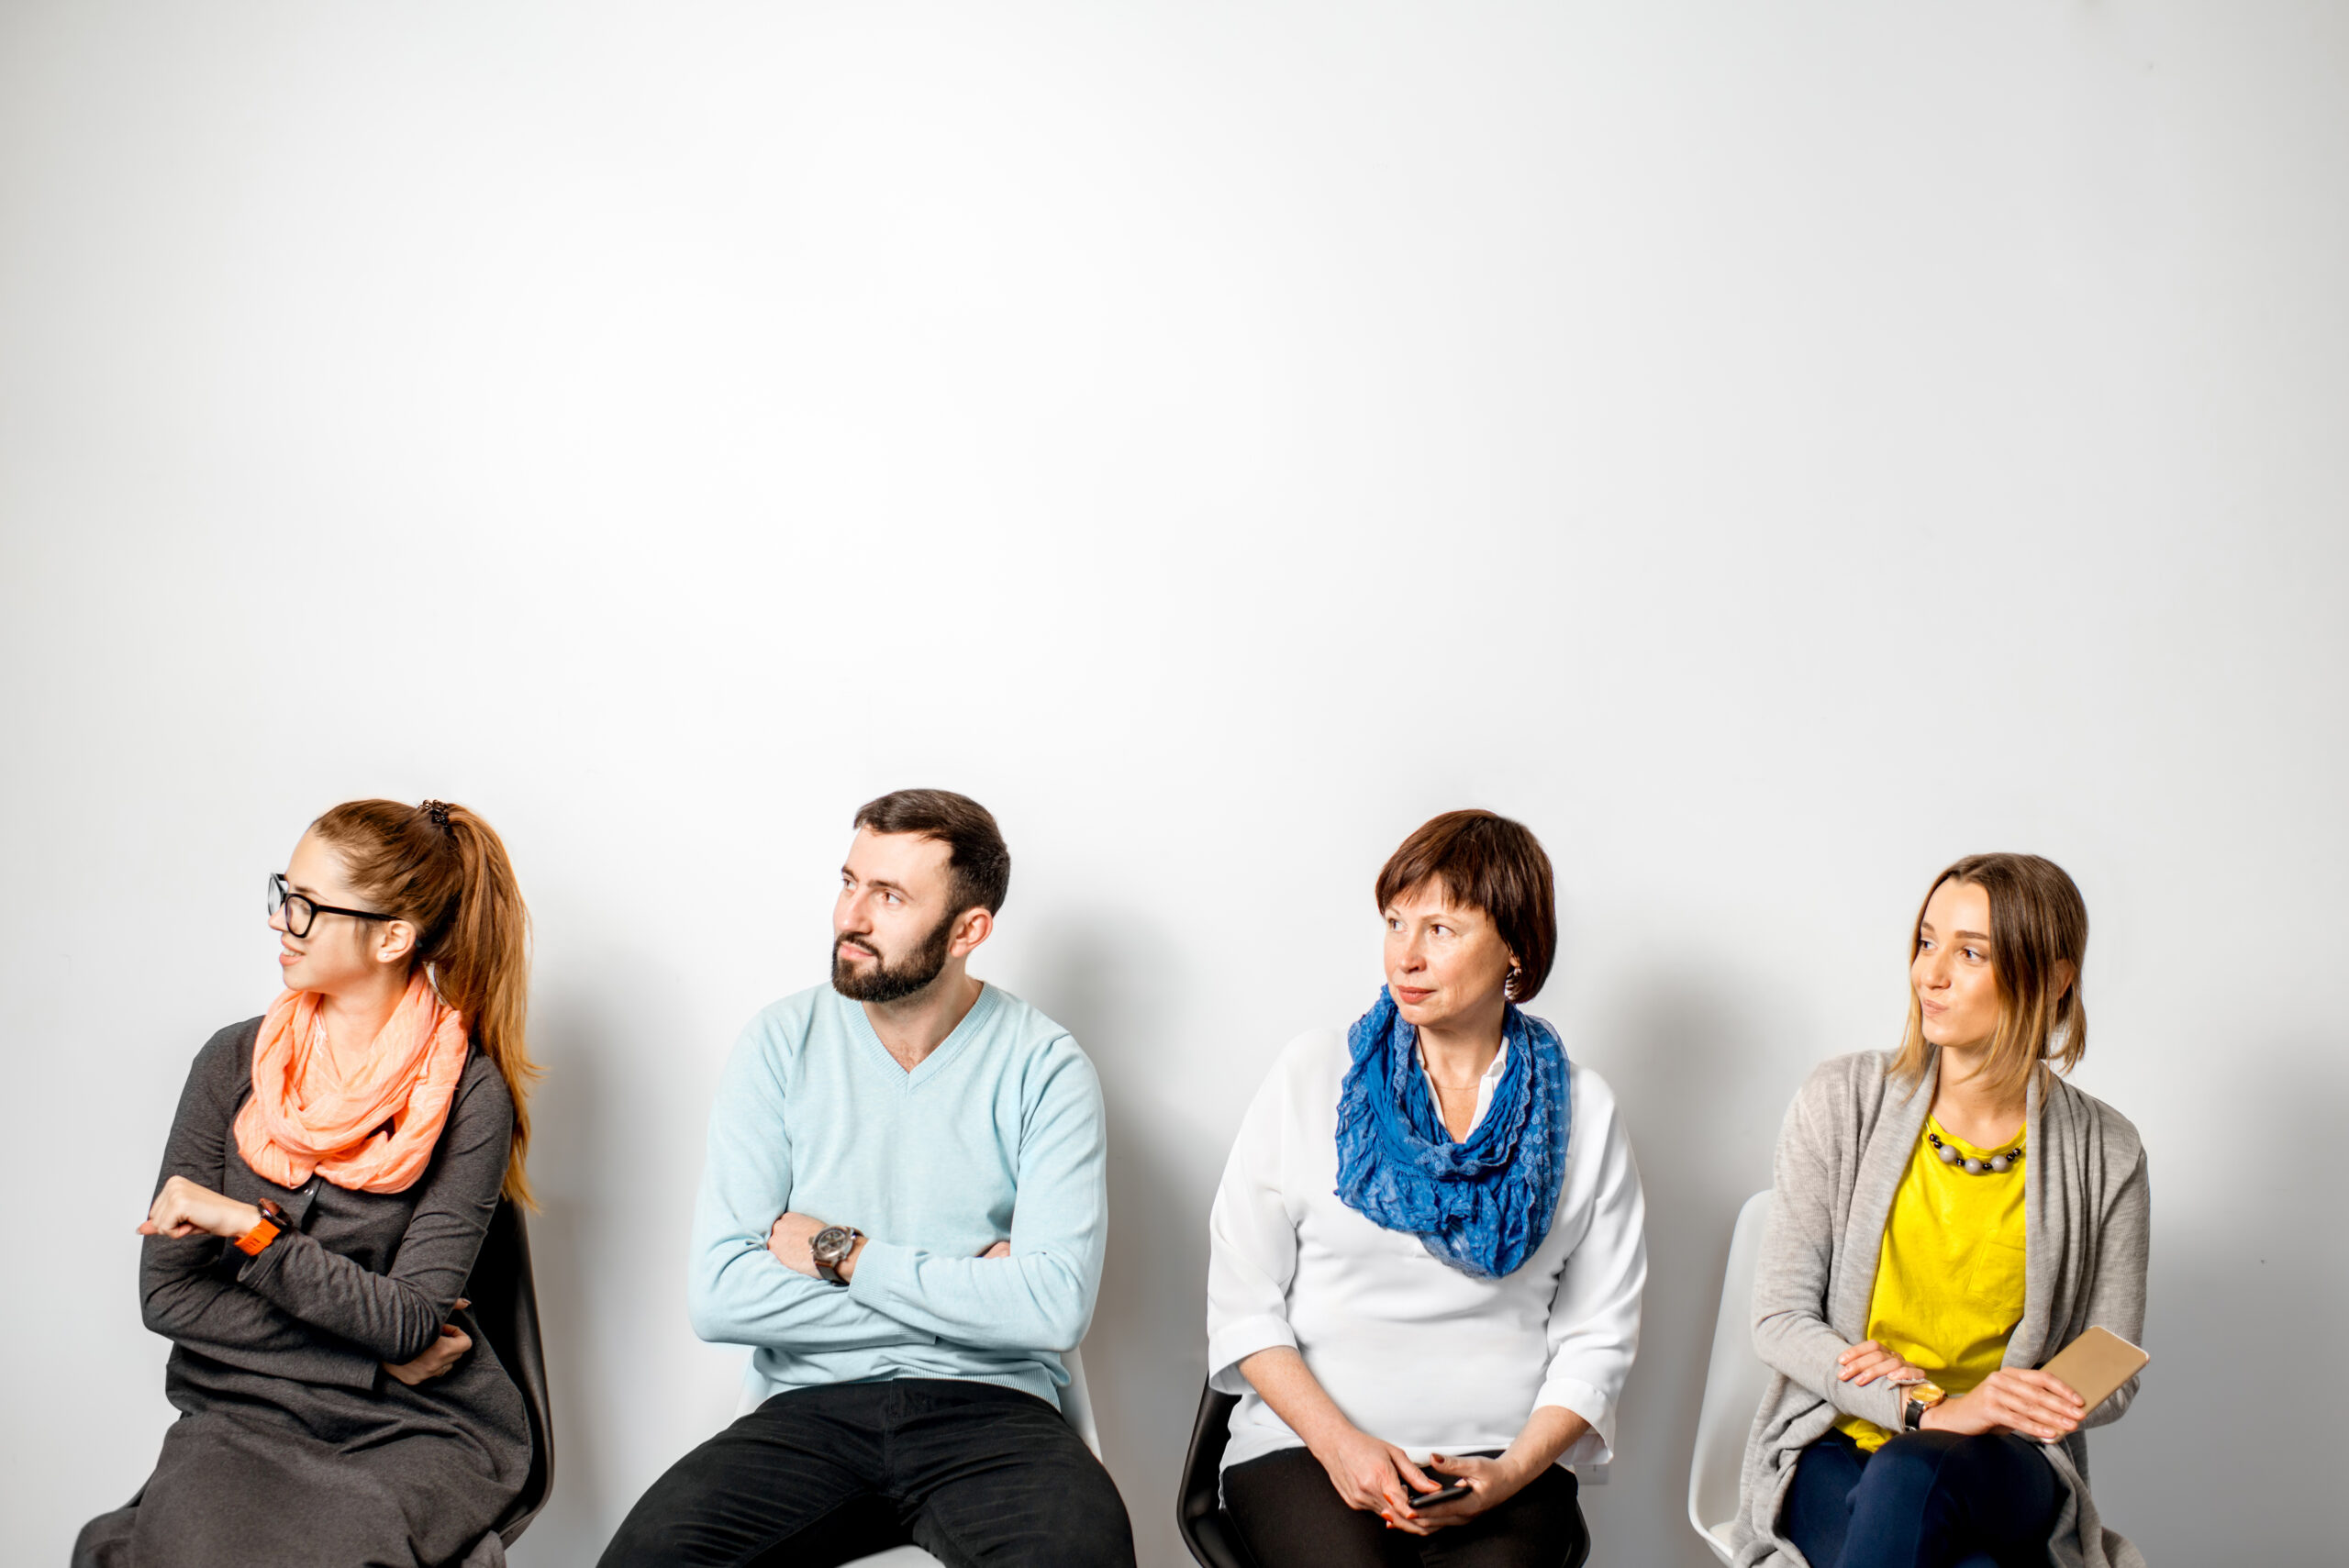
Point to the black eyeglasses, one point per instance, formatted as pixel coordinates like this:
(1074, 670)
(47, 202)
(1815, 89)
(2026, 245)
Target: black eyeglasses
(302, 912)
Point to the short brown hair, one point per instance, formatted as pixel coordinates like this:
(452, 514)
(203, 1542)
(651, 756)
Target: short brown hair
(977, 860)
(2039, 924)
(1494, 864)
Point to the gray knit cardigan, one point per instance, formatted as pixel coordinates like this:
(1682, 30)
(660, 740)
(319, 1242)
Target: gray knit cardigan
(1848, 1137)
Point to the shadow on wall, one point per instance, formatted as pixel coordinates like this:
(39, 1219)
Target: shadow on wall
(1702, 1106)
(2243, 1310)
(611, 1306)
(567, 1121)
(1106, 980)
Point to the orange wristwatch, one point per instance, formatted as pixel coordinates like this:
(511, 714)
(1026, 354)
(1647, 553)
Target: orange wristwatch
(272, 1223)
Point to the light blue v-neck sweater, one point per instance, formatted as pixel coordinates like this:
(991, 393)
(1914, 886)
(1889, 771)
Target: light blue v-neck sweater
(996, 1135)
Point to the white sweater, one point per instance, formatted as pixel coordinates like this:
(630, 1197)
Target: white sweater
(1413, 1350)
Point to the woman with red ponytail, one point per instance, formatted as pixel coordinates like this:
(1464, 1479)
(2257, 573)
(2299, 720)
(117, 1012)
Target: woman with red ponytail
(330, 1176)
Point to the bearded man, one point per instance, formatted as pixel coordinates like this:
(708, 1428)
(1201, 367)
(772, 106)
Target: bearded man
(903, 1214)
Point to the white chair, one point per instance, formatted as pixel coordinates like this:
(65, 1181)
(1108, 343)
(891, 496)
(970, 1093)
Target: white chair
(1076, 1408)
(1735, 1381)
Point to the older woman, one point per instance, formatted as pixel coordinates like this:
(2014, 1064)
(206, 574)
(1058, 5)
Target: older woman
(1427, 1247)
(328, 1178)
(1947, 1216)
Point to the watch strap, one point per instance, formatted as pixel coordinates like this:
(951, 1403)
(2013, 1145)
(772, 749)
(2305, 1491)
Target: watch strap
(1920, 1398)
(272, 1224)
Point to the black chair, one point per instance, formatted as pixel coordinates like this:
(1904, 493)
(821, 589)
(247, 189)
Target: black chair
(1206, 1530)
(505, 1305)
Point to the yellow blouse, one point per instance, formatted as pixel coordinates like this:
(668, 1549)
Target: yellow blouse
(1949, 1277)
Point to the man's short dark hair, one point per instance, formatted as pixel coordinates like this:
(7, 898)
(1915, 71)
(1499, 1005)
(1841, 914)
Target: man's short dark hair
(1491, 863)
(977, 861)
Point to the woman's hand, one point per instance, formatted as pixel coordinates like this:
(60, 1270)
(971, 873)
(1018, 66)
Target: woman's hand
(1373, 1475)
(2011, 1399)
(182, 1209)
(1868, 1361)
(1548, 1433)
(439, 1356)
(1491, 1481)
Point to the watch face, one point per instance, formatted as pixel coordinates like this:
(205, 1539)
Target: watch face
(831, 1244)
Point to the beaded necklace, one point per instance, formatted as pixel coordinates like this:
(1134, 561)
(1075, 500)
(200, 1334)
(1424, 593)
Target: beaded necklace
(1998, 1163)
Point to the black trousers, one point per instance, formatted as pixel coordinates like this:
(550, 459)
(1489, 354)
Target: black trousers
(1292, 1518)
(1923, 1500)
(970, 1472)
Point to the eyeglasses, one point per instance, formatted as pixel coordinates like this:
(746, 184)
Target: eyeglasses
(302, 912)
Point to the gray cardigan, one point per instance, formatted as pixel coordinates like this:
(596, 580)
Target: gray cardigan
(1848, 1137)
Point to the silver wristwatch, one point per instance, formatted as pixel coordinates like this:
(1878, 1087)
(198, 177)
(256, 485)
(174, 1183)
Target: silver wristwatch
(831, 1250)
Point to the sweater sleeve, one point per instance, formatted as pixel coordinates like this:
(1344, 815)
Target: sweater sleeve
(1791, 1333)
(2117, 1300)
(189, 1292)
(1595, 1315)
(395, 1315)
(736, 1292)
(1251, 1243)
(1040, 1298)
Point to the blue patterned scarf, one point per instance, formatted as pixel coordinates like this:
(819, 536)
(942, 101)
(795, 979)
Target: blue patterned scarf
(1484, 1205)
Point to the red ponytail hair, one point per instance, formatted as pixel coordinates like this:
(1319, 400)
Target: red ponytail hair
(444, 871)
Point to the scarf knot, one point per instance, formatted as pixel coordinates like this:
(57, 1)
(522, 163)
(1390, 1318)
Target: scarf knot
(1482, 1206)
(374, 1131)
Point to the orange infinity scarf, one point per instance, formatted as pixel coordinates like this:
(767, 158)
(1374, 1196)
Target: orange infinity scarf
(370, 1133)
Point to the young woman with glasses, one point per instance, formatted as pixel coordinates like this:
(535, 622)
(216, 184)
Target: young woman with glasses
(329, 1175)
(1944, 1218)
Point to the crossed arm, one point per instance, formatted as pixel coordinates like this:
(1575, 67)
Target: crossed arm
(264, 1314)
(1870, 1380)
(755, 1280)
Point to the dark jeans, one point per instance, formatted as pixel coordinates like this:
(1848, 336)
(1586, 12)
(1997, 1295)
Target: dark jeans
(1292, 1518)
(968, 1471)
(1923, 1500)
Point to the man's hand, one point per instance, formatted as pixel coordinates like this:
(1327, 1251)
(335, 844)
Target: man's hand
(792, 1240)
(439, 1356)
(182, 1209)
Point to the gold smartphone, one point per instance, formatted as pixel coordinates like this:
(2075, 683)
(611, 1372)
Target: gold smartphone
(2095, 1363)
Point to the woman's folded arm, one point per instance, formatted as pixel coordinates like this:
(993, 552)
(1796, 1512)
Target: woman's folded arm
(394, 1316)
(187, 1293)
(1790, 1280)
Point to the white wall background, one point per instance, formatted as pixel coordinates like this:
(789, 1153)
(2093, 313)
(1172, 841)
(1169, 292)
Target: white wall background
(1771, 450)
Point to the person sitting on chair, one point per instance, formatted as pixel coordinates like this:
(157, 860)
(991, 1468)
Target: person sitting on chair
(1944, 1219)
(1427, 1251)
(903, 1211)
(328, 1178)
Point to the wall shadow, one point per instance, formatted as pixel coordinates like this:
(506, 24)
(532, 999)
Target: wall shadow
(2242, 1305)
(567, 1115)
(1702, 1101)
(1104, 978)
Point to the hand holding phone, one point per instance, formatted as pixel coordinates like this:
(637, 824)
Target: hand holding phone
(1443, 1495)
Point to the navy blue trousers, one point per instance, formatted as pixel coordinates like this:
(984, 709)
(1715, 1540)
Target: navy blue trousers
(1923, 1500)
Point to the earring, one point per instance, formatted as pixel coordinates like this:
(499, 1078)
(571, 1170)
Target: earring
(1508, 986)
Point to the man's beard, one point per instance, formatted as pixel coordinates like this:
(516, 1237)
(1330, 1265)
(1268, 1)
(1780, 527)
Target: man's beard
(886, 982)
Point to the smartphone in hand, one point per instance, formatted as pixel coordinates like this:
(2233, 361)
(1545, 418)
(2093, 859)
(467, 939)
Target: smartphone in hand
(1444, 1495)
